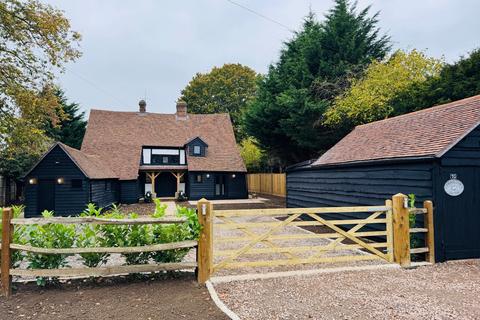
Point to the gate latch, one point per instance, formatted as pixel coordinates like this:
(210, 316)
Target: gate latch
(204, 209)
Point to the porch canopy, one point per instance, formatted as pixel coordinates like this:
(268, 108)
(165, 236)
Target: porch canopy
(152, 172)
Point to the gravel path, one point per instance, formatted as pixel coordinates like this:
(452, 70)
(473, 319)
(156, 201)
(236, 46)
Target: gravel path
(443, 291)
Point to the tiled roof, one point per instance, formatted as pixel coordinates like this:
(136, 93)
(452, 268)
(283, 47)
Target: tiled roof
(92, 166)
(426, 133)
(118, 137)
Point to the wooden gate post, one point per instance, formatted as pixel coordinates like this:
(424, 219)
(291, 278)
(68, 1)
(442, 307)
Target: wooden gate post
(205, 241)
(401, 230)
(7, 235)
(430, 236)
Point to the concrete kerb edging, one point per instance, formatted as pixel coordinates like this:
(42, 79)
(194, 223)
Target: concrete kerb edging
(232, 315)
(283, 274)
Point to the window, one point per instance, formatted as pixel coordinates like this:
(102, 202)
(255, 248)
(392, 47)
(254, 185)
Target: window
(165, 159)
(76, 183)
(197, 150)
(199, 178)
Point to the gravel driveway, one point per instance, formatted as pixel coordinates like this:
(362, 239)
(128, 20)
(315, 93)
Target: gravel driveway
(443, 291)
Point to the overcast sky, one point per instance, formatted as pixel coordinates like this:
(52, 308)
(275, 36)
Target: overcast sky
(133, 49)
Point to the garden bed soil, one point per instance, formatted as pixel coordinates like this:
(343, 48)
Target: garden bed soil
(172, 296)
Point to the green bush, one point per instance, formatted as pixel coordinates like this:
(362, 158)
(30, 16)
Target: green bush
(49, 236)
(95, 235)
(90, 235)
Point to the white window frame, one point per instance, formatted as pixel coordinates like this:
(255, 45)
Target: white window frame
(195, 150)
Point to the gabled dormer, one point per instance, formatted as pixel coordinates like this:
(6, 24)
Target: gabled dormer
(196, 147)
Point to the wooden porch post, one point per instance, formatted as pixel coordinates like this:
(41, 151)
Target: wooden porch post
(178, 176)
(153, 176)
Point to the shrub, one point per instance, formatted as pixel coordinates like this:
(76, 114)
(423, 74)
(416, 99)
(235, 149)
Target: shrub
(138, 235)
(190, 230)
(49, 236)
(90, 235)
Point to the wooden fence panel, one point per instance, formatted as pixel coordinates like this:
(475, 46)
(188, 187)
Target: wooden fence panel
(267, 183)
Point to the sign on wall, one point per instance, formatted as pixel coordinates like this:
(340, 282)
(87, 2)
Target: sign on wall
(453, 187)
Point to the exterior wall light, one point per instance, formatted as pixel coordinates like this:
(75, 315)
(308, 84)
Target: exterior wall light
(233, 176)
(208, 175)
(60, 180)
(32, 181)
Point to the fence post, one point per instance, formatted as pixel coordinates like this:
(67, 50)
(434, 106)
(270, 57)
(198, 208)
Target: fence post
(205, 241)
(430, 236)
(401, 230)
(389, 229)
(7, 234)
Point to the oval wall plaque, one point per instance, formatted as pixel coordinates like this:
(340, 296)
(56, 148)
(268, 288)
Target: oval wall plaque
(454, 187)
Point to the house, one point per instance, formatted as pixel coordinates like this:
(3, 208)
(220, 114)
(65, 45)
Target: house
(126, 154)
(433, 153)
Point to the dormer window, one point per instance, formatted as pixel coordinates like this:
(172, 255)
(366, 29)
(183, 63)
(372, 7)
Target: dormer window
(197, 150)
(197, 147)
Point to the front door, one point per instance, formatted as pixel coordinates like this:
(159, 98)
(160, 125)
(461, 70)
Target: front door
(220, 186)
(461, 213)
(46, 195)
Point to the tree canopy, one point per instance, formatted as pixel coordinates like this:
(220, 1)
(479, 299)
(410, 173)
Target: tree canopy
(71, 128)
(35, 42)
(456, 81)
(227, 89)
(369, 97)
(286, 115)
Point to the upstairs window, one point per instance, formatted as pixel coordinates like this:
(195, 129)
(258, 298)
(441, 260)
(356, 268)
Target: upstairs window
(165, 159)
(197, 150)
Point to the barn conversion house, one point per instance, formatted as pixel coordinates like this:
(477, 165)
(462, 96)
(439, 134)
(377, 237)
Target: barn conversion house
(433, 153)
(126, 154)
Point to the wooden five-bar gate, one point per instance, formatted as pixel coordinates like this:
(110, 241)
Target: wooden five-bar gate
(268, 237)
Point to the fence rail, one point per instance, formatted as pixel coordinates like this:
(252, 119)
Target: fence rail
(7, 247)
(267, 183)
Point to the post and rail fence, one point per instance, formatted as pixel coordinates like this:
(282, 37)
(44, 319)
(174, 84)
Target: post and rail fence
(267, 183)
(343, 234)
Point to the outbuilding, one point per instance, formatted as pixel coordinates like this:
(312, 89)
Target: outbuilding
(65, 179)
(433, 153)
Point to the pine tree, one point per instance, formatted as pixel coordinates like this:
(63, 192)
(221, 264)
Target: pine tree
(314, 67)
(71, 129)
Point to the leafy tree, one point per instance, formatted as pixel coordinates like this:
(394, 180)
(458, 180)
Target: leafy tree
(71, 129)
(227, 89)
(252, 155)
(314, 67)
(35, 42)
(456, 81)
(368, 98)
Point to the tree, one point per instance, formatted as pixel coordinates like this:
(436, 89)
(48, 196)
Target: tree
(227, 89)
(35, 42)
(456, 81)
(369, 97)
(286, 114)
(252, 155)
(71, 129)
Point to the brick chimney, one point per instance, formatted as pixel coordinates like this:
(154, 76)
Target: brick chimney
(181, 110)
(142, 106)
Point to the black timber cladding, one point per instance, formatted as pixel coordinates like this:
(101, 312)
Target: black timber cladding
(457, 219)
(76, 191)
(68, 200)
